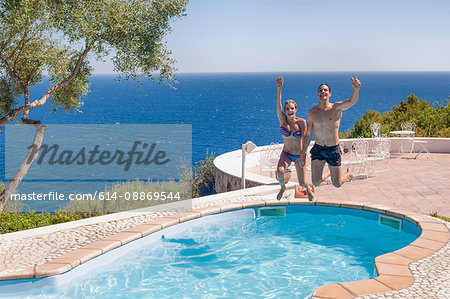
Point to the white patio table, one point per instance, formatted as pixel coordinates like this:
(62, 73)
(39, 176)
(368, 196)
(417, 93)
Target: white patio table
(406, 145)
(402, 133)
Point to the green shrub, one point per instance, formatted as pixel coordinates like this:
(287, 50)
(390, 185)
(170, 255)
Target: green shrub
(203, 177)
(132, 195)
(431, 120)
(436, 215)
(200, 181)
(13, 221)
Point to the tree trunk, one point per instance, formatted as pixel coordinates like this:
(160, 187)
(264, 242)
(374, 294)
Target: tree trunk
(23, 169)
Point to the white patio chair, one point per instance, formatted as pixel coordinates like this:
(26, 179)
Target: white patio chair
(358, 158)
(342, 148)
(375, 130)
(269, 157)
(382, 152)
(410, 142)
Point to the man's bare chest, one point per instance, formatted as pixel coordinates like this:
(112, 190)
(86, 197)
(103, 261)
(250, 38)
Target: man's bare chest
(327, 116)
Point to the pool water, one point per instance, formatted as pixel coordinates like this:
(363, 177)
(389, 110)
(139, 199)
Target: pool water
(236, 254)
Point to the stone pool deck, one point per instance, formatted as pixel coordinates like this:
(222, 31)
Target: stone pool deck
(418, 185)
(414, 188)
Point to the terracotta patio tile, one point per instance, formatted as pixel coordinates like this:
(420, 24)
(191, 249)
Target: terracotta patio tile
(392, 269)
(337, 200)
(46, 270)
(428, 244)
(208, 210)
(434, 226)
(103, 245)
(393, 258)
(434, 235)
(144, 229)
(383, 207)
(230, 207)
(185, 216)
(395, 214)
(297, 201)
(165, 222)
(332, 291)
(371, 209)
(124, 237)
(71, 261)
(363, 287)
(395, 282)
(253, 203)
(424, 218)
(82, 254)
(328, 204)
(357, 206)
(17, 273)
(414, 252)
(274, 202)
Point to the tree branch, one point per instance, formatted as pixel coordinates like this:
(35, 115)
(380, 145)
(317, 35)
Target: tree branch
(37, 103)
(64, 82)
(12, 71)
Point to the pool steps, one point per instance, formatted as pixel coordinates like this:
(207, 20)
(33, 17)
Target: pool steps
(392, 222)
(271, 211)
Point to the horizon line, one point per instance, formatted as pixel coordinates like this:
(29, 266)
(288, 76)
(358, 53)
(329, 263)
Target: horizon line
(284, 72)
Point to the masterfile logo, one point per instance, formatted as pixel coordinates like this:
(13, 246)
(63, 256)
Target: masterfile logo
(100, 152)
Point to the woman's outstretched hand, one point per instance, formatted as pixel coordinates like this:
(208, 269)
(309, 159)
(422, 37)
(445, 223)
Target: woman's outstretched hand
(303, 159)
(280, 81)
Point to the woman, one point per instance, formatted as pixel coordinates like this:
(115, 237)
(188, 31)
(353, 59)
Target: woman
(293, 130)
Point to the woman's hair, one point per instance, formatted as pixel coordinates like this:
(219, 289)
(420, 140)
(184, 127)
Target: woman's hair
(290, 102)
(329, 88)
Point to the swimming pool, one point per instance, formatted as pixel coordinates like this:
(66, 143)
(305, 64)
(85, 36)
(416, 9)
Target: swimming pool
(235, 254)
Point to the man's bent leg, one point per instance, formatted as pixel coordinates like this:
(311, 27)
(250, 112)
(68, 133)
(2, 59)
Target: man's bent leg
(336, 177)
(317, 172)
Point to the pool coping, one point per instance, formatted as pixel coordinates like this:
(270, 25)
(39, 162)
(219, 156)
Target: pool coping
(392, 267)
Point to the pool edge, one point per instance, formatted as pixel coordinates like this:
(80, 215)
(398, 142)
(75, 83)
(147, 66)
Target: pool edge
(393, 267)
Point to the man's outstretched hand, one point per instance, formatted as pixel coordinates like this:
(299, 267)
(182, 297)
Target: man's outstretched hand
(356, 83)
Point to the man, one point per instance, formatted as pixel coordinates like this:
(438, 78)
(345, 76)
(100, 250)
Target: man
(324, 119)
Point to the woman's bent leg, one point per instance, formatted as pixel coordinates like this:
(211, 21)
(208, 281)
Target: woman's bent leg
(283, 164)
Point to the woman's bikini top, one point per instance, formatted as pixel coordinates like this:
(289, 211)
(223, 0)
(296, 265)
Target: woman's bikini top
(285, 132)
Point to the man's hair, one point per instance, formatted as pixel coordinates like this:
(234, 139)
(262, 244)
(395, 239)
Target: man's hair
(290, 102)
(329, 88)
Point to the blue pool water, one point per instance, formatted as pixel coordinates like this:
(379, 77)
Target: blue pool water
(234, 254)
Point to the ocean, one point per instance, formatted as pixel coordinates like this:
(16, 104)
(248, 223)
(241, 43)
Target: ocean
(229, 109)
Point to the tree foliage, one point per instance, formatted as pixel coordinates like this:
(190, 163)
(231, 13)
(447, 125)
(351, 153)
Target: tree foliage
(431, 120)
(55, 38)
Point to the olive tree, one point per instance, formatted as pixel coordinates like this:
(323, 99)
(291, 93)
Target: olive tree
(55, 39)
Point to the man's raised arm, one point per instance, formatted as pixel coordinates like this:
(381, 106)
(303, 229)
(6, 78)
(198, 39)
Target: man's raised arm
(352, 101)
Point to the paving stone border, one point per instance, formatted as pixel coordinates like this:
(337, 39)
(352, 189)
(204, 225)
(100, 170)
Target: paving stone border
(405, 272)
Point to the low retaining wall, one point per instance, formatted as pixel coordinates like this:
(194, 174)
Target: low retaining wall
(226, 182)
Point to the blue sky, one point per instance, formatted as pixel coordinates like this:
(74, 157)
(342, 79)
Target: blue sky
(310, 35)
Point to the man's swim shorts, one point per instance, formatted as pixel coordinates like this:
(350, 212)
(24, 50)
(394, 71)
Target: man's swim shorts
(331, 154)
